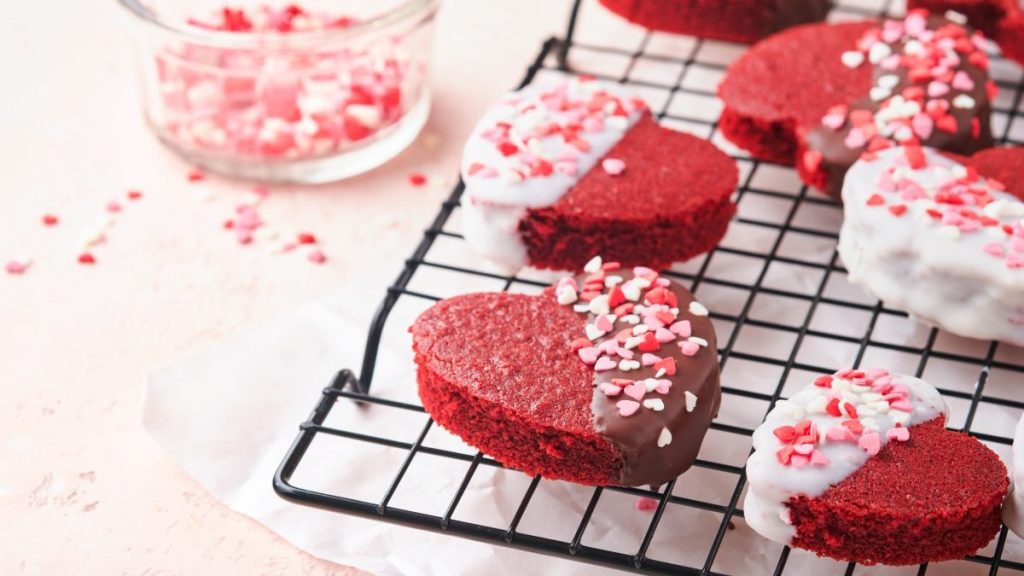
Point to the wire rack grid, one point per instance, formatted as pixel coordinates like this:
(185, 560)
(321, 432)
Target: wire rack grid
(794, 231)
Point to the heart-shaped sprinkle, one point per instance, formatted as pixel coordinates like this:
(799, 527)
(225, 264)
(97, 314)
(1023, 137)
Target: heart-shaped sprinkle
(683, 328)
(698, 309)
(593, 265)
(604, 323)
(627, 407)
(604, 363)
(664, 438)
(589, 354)
(962, 81)
(664, 335)
(663, 386)
(852, 58)
(870, 443)
(627, 365)
(691, 401)
(610, 389)
(613, 166)
(689, 348)
(656, 404)
(649, 359)
(593, 332)
(937, 89)
(636, 390)
(899, 433)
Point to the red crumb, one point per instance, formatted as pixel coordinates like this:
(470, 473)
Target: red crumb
(417, 179)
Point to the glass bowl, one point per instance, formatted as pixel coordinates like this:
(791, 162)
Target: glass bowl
(282, 93)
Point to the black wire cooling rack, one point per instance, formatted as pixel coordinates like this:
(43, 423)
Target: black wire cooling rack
(682, 80)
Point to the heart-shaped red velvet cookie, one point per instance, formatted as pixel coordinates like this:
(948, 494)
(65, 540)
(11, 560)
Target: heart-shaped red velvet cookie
(560, 171)
(820, 96)
(607, 379)
(858, 466)
(1001, 20)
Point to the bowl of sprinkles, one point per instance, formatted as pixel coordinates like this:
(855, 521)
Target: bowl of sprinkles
(304, 93)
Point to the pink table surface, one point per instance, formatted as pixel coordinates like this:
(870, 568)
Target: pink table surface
(83, 489)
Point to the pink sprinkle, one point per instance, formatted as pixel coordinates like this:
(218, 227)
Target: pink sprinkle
(613, 166)
(196, 175)
(645, 504)
(636, 390)
(243, 235)
(937, 89)
(610, 389)
(316, 256)
(649, 359)
(855, 139)
(819, 459)
(604, 323)
(902, 406)
(663, 386)
(1014, 261)
(689, 348)
(16, 267)
(870, 443)
(134, 195)
(923, 126)
(604, 363)
(664, 336)
(113, 207)
(682, 328)
(898, 433)
(833, 121)
(589, 354)
(962, 81)
(627, 407)
(261, 191)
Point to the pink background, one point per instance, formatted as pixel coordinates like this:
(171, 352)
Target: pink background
(82, 488)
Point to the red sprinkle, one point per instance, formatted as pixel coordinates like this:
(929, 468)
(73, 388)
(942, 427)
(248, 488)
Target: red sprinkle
(875, 200)
(50, 220)
(316, 257)
(898, 209)
(417, 179)
(306, 238)
(86, 258)
(134, 195)
(196, 176)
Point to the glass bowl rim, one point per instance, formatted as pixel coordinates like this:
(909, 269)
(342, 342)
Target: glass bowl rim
(406, 10)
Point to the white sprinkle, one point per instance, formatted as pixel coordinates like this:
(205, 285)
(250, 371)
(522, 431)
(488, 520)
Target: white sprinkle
(698, 309)
(691, 401)
(954, 16)
(581, 307)
(698, 341)
(631, 319)
(656, 404)
(594, 265)
(631, 291)
(599, 305)
(665, 438)
(640, 329)
(612, 281)
(566, 295)
(852, 58)
(617, 122)
(878, 52)
(899, 416)
(651, 384)
(627, 365)
(963, 102)
(889, 81)
(593, 332)
(661, 372)
(878, 93)
(633, 342)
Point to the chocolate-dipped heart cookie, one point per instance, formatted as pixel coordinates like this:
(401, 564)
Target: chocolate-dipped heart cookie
(859, 467)
(610, 378)
(820, 96)
(560, 171)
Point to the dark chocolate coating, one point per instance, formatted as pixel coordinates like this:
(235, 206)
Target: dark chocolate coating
(636, 436)
(838, 157)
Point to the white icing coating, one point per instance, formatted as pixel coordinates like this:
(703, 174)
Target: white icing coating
(772, 483)
(965, 278)
(1013, 509)
(499, 188)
